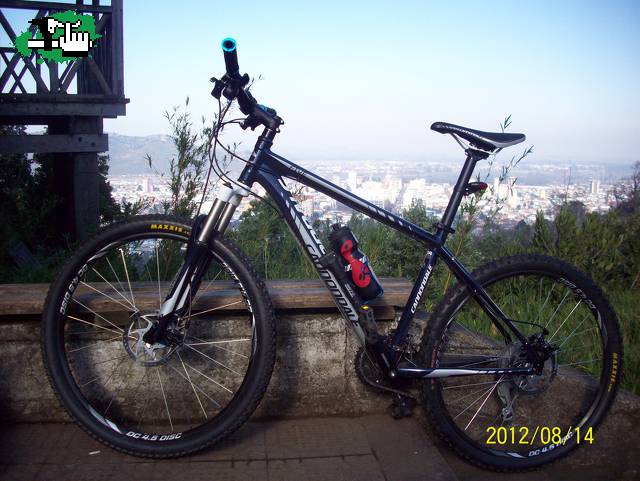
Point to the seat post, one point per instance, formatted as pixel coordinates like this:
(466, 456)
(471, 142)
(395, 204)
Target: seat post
(444, 228)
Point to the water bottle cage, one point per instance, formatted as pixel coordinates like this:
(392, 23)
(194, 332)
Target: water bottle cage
(331, 262)
(360, 272)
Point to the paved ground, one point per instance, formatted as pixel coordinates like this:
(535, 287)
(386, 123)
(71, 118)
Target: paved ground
(368, 448)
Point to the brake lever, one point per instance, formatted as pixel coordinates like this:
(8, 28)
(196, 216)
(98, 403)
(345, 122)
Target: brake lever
(250, 122)
(228, 86)
(218, 86)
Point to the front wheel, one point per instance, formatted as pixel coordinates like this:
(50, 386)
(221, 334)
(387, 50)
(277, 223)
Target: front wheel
(160, 400)
(508, 422)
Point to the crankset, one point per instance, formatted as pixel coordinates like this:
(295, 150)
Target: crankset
(373, 378)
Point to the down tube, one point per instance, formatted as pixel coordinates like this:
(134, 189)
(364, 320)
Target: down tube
(311, 244)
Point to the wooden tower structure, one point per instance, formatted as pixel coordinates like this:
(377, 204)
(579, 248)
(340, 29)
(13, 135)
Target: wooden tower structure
(70, 99)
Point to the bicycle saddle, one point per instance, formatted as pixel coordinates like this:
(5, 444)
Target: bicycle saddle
(488, 141)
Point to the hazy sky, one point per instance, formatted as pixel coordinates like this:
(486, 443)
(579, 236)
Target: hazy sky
(365, 79)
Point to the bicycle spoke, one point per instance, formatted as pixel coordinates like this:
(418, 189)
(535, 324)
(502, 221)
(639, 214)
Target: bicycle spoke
(214, 309)
(164, 396)
(121, 389)
(481, 390)
(589, 361)
(484, 391)
(126, 271)
(192, 386)
(112, 287)
(206, 343)
(483, 402)
(201, 291)
(102, 362)
(95, 344)
(467, 385)
(565, 320)
(545, 301)
(207, 377)
(557, 309)
(92, 324)
(115, 275)
(574, 333)
(212, 359)
(213, 344)
(105, 295)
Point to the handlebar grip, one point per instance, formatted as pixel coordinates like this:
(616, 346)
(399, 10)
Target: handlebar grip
(230, 56)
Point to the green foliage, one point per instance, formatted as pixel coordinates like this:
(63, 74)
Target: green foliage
(603, 245)
(32, 239)
(392, 254)
(627, 192)
(267, 240)
(542, 240)
(566, 234)
(626, 302)
(187, 167)
(195, 151)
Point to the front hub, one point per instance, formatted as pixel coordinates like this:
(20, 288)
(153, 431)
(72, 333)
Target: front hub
(145, 353)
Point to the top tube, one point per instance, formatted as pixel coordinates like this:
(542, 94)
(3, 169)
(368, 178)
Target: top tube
(281, 166)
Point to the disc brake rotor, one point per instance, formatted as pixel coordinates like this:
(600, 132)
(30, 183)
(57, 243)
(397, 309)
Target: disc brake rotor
(140, 351)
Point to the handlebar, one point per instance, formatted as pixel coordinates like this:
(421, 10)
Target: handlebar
(232, 86)
(231, 57)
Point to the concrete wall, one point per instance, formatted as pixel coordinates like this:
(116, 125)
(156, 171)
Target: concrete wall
(314, 375)
(314, 371)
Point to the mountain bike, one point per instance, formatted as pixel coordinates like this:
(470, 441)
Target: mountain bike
(159, 336)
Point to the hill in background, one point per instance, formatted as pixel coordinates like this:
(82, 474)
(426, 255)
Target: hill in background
(127, 154)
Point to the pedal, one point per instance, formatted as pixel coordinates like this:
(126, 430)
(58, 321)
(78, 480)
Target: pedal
(402, 406)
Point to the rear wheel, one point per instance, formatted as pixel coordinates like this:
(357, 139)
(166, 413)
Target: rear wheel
(509, 422)
(157, 400)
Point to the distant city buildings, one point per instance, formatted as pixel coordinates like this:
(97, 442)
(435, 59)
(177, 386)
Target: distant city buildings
(392, 187)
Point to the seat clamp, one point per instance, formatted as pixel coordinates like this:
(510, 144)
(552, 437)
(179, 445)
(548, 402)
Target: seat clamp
(479, 154)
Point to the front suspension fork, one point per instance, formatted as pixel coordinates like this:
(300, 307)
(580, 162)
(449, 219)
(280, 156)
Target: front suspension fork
(197, 260)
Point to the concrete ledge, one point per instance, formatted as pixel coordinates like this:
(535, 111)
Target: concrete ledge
(314, 372)
(313, 376)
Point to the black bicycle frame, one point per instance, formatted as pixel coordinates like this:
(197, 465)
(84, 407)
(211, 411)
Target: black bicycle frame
(269, 169)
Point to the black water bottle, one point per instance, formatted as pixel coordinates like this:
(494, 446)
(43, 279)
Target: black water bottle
(356, 263)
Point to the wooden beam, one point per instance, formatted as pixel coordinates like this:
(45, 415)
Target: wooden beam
(86, 189)
(16, 77)
(56, 107)
(17, 144)
(117, 65)
(20, 299)
(99, 77)
(29, 5)
(27, 61)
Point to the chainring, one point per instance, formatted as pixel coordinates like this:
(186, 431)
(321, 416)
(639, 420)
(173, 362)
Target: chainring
(373, 378)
